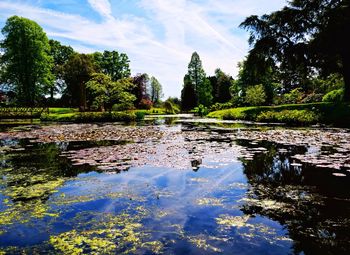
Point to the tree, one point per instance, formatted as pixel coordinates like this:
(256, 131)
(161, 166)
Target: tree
(188, 95)
(305, 38)
(223, 84)
(113, 63)
(140, 90)
(255, 95)
(106, 93)
(205, 93)
(155, 90)
(60, 54)
(26, 63)
(76, 72)
(196, 82)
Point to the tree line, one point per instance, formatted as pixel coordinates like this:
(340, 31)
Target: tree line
(35, 71)
(299, 54)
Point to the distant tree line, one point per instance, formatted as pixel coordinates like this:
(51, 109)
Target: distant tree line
(36, 71)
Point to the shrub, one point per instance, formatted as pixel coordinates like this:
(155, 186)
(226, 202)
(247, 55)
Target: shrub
(221, 106)
(293, 97)
(201, 110)
(255, 95)
(145, 104)
(312, 98)
(123, 107)
(335, 96)
(289, 116)
(140, 115)
(170, 107)
(86, 117)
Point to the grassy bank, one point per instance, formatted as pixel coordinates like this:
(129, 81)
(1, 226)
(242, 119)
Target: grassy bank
(293, 114)
(86, 117)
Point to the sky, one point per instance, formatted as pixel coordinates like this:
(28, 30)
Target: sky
(159, 36)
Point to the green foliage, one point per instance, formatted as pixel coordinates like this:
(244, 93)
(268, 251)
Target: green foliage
(76, 72)
(201, 110)
(197, 88)
(293, 97)
(140, 115)
(335, 96)
(221, 106)
(113, 63)
(328, 113)
(303, 39)
(86, 117)
(26, 64)
(188, 95)
(205, 94)
(294, 117)
(60, 54)
(169, 107)
(255, 95)
(221, 93)
(106, 93)
(62, 110)
(155, 90)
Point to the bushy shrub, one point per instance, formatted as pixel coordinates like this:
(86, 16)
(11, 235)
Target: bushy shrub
(123, 107)
(335, 96)
(145, 104)
(255, 95)
(289, 116)
(293, 97)
(170, 107)
(201, 110)
(86, 117)
(221, 106)
(312, 98)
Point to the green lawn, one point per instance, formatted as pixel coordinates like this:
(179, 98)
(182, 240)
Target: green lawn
(294, 114)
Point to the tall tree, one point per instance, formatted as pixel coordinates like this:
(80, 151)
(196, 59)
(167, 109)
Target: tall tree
(223, 84)
(140, 90)
(60, 54)
(76, 72)
(113, 63)
(156, 91)
(196, 72)
(26, 61)
(188, 95)
(205, 93)
(304, 37)
(200, 84)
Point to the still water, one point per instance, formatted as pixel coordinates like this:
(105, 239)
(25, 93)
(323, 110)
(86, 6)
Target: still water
(180, 188)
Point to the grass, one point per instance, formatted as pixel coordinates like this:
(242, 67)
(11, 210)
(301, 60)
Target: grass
(86, 117)
(153, 111)
(62, 110)
(294, 114)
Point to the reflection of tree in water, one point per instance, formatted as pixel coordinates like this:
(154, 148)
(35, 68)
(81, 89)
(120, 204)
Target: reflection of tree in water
(318, 222)
(29, 177)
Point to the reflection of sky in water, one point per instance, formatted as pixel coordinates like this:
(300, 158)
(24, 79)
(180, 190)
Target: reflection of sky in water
(172, 198)
(254, 206)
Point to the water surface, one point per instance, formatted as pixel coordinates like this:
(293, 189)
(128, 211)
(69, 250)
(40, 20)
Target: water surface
(185, 188)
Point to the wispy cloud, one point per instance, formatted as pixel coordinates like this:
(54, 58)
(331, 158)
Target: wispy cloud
(159, 36)
(103, 7)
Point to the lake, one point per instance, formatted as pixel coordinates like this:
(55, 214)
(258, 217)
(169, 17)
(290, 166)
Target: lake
(174, 186)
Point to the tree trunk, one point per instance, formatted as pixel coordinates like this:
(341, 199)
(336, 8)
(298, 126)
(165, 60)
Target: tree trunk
(346, 74)
(82, 103)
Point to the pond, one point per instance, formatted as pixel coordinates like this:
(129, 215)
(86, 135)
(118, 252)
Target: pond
(174, 186)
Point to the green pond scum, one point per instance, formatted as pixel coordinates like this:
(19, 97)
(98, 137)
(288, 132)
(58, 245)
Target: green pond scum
(187, 189)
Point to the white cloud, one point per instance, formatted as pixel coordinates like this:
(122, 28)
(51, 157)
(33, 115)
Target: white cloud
(103, 7)
(204, 26)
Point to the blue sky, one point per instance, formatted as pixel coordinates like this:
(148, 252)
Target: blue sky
(159, 36)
